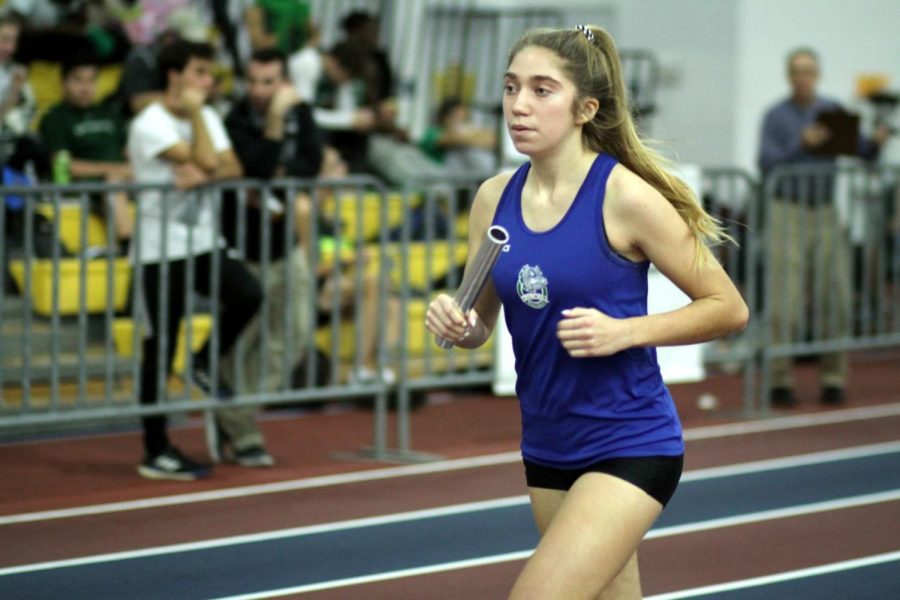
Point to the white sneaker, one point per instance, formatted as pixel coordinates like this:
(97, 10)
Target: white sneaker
(254, 456)
(364, 375)
(388, 376)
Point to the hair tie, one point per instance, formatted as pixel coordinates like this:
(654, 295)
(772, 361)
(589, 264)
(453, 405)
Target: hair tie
(586, 31)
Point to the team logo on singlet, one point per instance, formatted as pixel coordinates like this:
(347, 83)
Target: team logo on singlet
(532, 287)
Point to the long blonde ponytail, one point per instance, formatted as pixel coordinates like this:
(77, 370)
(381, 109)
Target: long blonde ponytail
(592, 62)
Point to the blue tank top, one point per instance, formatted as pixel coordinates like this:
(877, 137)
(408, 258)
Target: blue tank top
(577, 411)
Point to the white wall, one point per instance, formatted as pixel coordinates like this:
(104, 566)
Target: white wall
(694, 42)
(724, 63)
(723, 60)
(851, 38)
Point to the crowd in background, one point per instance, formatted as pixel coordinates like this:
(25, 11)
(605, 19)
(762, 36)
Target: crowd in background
(349, 86)
(207, 92)
(243, 89)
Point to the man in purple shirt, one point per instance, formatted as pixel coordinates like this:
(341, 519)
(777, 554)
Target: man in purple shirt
(807, 240)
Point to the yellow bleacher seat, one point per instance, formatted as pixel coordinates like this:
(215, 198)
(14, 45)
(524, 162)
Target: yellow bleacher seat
(425, 261)
(70, 284)
(361, 219)
(364, 214)
(70, 226)
(433, 261)
(123, 336)
(346, 348)
(462, 226)
(421, 255)
(418, 337)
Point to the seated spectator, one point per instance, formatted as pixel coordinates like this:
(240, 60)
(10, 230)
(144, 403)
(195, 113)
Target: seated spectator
(179, 140)
(281, 24)
(54, 31)
(305, 66)
(361, 33)
(18, 147)
(228, 17)
(94, 136)
(388, 151)
(143, 21)
(17, 104)
(142, 81)
(461, 146)
(341, 109)
(275, 136)
(366, 136)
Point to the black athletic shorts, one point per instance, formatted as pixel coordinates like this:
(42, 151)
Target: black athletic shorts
(656, 475)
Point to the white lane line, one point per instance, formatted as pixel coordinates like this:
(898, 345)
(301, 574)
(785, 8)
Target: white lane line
(523, 555)
(761, 425)
(350, 581)
(274, 535)
(776, 513)
(787, 462)
(794, 511)
(837, 567)
(268, 488)
(421, 469)
(831, 417)
(696, 433)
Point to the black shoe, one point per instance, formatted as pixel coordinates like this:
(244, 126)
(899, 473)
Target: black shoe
(172, 464)
(832, 395)
(783, 397)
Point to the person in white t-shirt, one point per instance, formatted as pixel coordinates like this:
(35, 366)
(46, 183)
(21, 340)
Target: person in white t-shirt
(17, 103)
(179, 140)
(305, 66)
(18, 146)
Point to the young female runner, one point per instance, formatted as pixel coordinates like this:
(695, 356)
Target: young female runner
(601, 440)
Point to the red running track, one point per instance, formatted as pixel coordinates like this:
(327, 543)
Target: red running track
(69, 474)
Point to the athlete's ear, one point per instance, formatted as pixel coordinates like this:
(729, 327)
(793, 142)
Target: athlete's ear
(589, 108)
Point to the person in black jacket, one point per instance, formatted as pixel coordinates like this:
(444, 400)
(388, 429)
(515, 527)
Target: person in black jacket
(272, 127)
(275, 135)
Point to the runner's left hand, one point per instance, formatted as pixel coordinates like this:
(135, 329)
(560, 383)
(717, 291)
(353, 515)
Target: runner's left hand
(588, 332)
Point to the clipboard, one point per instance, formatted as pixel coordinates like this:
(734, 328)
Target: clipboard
(844, 128)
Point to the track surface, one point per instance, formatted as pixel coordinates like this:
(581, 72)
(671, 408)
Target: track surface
(803, 504)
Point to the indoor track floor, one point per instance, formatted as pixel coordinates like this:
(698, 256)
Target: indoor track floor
(801, 504)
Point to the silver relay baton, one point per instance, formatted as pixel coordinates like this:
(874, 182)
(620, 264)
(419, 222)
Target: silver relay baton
(476, 276)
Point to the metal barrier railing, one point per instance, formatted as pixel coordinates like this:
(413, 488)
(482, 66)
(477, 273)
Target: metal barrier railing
(438, 244)
(403, 245)
(72, 333)
(732, 196)
(80, 313)
(831, 286)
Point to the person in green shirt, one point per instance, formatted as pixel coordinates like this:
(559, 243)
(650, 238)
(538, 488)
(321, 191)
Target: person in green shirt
(283, 24)
(453, 140)
(93, 134)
